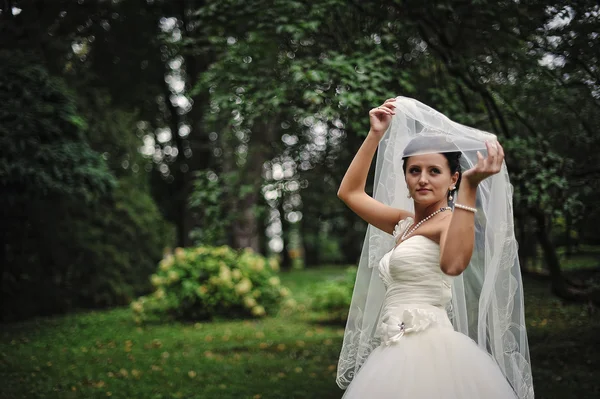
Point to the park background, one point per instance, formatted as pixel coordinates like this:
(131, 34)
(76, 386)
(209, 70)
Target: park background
(169, 169)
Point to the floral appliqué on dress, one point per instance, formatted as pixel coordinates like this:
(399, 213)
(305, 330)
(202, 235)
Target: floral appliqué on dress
(409, 322)
(401, 228)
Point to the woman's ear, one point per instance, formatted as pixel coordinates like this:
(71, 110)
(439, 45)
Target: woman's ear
(455, 177)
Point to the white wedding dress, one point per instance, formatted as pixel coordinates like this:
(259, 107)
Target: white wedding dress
(421, 356)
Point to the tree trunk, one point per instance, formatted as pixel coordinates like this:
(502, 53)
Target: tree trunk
(8, 9)
(550, 256)
(197, 141)
(527, 244)
(309, 231)
(558, 282)
(351, 240)
(245, 228)
(182, 180)
(568, 241)
(286, 260)
(261, 219)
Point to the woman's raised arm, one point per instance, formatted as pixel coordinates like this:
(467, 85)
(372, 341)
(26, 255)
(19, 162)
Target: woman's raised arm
(352, 188)
(457, 242)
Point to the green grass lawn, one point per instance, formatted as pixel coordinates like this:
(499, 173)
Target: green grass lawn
(104, 354)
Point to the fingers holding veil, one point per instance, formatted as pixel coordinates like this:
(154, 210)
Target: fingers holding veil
(495, 156)
(381, 116)
(486, 166)
(387, 108)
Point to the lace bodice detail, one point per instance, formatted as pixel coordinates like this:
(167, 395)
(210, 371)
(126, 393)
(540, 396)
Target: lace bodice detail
(411, 273)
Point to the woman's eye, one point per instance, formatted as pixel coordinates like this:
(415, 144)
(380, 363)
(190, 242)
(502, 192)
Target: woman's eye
(435, 170)
(413, 170)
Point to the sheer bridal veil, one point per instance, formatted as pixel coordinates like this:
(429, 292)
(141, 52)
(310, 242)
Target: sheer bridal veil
(487, 303)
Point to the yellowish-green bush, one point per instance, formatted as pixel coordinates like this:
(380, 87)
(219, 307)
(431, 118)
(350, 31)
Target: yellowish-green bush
(205, 282)
(334, 297)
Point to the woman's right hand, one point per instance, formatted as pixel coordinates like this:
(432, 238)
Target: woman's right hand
(381, 117)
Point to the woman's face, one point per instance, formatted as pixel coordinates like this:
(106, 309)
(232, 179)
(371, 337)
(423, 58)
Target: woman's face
(428, 178)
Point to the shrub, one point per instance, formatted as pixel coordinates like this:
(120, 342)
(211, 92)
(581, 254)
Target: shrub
(78, 230)
(206, 282)
(334, 297)
(79, 257)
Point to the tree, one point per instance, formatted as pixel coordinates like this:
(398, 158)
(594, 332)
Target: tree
(46, 159)
(92, 233)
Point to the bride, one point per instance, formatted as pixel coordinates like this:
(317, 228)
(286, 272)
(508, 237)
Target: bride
(437, 309)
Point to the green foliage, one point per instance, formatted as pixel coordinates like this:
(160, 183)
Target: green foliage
(327, 246)
(541, 180)
(48, 171)
(44, 150)
(75, 236)
(84, 256)
(207, 201)
(334, 297)
(207, 282)
(120, 243)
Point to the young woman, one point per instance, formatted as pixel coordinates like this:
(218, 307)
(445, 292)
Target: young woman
(435, 301)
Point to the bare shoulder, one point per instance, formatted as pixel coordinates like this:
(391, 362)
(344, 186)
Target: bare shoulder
(437, 231)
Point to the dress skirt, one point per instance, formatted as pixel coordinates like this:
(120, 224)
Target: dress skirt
(436, 363)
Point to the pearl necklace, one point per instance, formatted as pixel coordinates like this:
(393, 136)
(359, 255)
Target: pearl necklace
(409, 232)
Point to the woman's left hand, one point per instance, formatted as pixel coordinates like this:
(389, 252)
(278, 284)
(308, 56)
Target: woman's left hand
(486, 167)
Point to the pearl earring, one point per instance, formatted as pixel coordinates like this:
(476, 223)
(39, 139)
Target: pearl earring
(450, 197)
(408, 195)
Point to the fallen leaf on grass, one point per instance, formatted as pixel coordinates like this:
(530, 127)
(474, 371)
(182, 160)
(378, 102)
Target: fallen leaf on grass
(99, 384)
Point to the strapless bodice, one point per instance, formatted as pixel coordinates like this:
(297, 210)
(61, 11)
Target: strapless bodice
(417, 291)
(411, 273)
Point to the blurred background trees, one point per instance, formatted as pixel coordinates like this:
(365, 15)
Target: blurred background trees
(132, 126)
